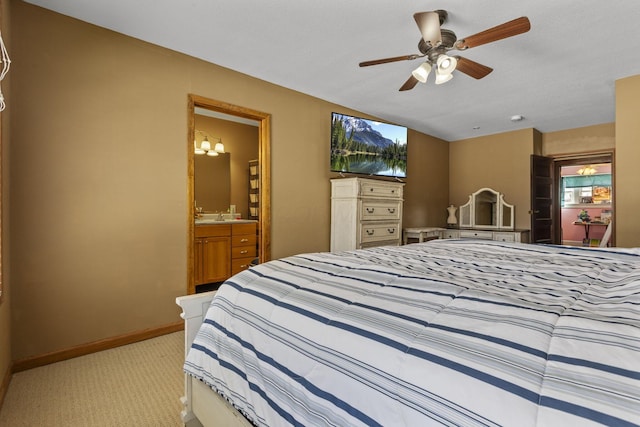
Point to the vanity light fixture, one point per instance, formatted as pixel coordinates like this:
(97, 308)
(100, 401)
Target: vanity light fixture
(205, 146)
(219, 148)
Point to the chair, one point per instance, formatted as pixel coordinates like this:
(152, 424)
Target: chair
(607, 235)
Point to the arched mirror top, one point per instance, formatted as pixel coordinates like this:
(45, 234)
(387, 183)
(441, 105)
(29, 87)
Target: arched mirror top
(486, 208)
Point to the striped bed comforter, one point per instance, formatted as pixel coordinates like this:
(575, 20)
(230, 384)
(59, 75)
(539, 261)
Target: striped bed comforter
(449, 332)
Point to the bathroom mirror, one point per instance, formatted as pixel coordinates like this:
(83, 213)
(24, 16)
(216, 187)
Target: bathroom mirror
(212, 182)
(202, 116)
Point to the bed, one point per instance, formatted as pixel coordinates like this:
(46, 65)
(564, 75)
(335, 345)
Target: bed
(447, 332)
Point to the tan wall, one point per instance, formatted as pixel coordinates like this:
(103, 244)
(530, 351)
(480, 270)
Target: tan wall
(426, 193)
(500, 162)
(627, 159)
(587, 139)
(99, 177)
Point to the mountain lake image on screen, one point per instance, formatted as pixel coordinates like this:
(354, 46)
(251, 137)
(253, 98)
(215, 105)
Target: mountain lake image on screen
(370, 147)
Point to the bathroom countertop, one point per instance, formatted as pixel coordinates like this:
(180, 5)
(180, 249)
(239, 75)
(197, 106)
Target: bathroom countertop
(227, 221)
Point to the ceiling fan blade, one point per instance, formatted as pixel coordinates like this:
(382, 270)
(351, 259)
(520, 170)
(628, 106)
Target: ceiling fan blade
(429, 25)
(499, 32)
(387, 60)
(409, 84)
(472, 68)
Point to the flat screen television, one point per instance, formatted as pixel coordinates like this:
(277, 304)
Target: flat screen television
(363, 146)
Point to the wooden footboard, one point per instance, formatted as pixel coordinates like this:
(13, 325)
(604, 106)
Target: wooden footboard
(201, 405)
(194, 308)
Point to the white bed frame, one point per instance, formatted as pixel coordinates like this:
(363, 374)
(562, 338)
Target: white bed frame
(202, 405)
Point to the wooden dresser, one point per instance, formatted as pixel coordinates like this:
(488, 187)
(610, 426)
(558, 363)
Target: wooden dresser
(365, 213)
(519, 236)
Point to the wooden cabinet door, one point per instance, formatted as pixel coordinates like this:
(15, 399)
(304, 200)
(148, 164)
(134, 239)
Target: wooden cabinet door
(216, 256)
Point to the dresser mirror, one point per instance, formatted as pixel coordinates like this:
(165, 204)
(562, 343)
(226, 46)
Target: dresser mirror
(486, 208)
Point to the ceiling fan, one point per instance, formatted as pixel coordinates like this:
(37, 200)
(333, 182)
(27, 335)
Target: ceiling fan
(436, 42)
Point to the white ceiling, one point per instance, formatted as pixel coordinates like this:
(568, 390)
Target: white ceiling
(560, 75)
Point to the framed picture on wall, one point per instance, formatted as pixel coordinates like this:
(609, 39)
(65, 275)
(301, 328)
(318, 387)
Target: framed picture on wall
(568, 196)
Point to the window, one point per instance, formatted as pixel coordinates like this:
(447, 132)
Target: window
(585, 190)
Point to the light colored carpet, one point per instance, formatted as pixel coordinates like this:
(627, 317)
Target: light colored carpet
(134, 385)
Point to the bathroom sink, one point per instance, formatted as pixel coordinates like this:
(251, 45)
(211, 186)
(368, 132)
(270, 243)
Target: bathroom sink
(213, 218)
(210, 217)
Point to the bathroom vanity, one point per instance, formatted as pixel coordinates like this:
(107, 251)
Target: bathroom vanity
(223, 248)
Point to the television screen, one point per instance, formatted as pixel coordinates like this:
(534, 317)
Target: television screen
(369, 147)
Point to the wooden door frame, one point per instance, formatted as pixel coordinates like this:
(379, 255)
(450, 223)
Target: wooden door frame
(607, 156)
(264, 159)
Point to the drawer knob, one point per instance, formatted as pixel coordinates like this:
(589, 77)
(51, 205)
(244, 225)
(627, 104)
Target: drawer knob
(244, 252)
(370, 232)
(370, 210)
(391, 230)
(244, 240)
(392, 210)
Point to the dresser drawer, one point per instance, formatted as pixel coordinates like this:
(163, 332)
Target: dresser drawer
(451, 234)
(472, 234)
(243, 240)
(380, 189)
(244, 228)
(380, 210)
(243, 252)
(504, 237)
(239, 264)
(377, 232)
(212, 230)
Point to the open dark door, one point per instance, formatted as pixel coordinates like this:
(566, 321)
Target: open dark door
(541, 199)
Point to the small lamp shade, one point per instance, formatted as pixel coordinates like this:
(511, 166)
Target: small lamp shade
(197, 150)
(206, 145)
(219, 148)
(442, 78)
(422, 72)
(446, 64)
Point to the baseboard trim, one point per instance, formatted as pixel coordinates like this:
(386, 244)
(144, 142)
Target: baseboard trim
(4, 386)
(93, 347)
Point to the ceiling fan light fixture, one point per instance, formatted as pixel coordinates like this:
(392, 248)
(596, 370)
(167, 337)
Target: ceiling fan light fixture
(422, 72)
(446, 64)
(442, 78)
